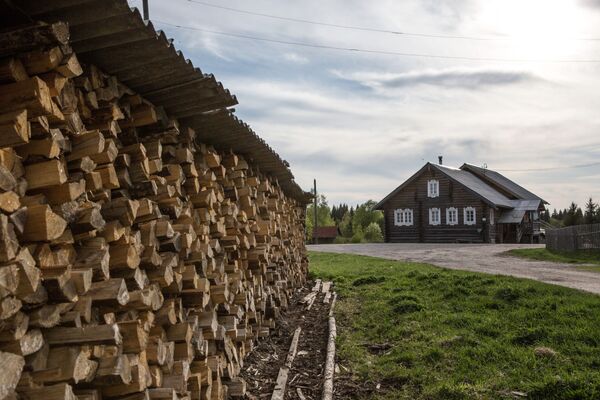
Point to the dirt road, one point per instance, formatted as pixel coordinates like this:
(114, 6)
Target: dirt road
(475, 257)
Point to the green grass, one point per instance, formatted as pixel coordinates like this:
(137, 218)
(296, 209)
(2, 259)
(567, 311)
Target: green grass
(592, 258)
(445, 334)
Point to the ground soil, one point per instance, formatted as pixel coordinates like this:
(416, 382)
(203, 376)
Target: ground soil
(261, 367)
(491, 259)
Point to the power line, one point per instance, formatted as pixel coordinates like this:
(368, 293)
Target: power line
(358, 28)
(383, 52)
(363, 28)
(551, 168)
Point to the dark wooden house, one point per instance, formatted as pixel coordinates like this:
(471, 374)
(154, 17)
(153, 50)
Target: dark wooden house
(467, 204)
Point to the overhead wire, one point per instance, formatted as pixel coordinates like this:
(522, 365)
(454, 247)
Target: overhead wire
(367, 29)
(551, 168)
(371, 51)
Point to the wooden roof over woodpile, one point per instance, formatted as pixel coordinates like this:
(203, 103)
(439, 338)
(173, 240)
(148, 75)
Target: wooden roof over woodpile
(113, 36)
(224, 130)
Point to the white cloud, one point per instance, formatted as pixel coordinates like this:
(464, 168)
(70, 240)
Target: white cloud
(295, 58)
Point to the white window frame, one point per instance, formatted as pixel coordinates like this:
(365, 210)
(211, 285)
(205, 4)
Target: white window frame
(403, 217)
(449, 212)
(397, 217)
(408, 217)
(433, 188)
(467, 220)
(435, 211)
(492, 216)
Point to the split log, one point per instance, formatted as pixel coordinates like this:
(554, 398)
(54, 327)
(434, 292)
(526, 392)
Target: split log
(11, 366)
(43, 224)
(14, 128)
(32, 95)
(45, 174)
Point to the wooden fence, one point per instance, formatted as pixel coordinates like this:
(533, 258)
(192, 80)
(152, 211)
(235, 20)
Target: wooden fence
(572, 238)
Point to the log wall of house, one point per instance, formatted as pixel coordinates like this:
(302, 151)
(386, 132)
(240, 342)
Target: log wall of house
(451, 194)
(135, 260)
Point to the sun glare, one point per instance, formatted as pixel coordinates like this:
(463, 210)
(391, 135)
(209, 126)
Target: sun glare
(536, 28)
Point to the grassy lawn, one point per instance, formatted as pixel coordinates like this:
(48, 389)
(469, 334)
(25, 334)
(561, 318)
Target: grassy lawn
(423, 332)
(580, 257)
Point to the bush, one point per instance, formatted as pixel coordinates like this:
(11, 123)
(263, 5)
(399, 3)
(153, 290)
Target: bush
(373, 233)
(358, 236)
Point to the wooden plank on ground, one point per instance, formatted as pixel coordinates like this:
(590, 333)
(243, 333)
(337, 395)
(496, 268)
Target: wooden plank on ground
(279, 391)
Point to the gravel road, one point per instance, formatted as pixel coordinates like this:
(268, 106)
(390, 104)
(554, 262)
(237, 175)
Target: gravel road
(475, 257)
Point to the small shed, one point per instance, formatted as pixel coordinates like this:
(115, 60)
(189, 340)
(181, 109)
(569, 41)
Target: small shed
(325, 234)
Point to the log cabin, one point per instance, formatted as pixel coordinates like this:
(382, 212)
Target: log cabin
(470, 204)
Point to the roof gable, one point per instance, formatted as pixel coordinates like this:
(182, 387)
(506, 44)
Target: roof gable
(379, 205)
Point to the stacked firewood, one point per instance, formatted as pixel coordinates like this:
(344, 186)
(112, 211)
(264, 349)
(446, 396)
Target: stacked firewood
(135, 261)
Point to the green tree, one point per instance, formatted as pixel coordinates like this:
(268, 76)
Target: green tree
(346, 225)
(373, 233)
(573, 215)
(358, 236)
(591, 212)
(365, 215)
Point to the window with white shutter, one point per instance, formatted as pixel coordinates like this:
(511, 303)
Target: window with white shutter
(470, 216)
(397, 216)
(492, 216)
(403, 217)
(434, 216)
(433, 188)
(408, 217)
(451, 216)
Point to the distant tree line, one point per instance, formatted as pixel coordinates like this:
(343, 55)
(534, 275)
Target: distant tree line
(574, 215)
(358, 224)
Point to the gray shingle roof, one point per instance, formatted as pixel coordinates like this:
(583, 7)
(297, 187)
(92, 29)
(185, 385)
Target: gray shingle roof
(502, 181)
(476, 185)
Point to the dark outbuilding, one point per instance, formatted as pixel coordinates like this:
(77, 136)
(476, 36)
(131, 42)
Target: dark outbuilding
(325, 234)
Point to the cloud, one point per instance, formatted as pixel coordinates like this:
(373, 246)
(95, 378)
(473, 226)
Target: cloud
(295, 58)
(449, 78)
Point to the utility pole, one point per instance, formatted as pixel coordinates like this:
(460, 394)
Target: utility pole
(146, 10)
(316, 223)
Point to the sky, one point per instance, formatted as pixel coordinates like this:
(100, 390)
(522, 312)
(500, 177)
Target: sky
(361, 123)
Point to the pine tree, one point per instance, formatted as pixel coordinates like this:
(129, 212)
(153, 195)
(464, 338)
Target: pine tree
(591, 212)
(573, 215)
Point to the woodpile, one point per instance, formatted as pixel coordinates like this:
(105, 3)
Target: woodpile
(136, 262)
